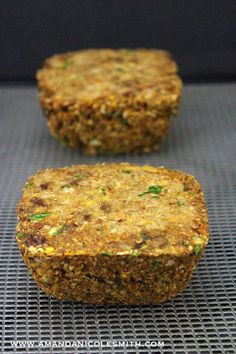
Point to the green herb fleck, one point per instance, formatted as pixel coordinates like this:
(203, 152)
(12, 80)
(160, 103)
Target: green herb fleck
(179, 203)
(135, 253)
(185, 244)
(106, 254)
(124, 122)
(21, 235)
(67, 63)
(156, 264)
(78, 176)
(28, 185)
(56, 230)
(128, 172)
(102, 190)
(38, 217)
(144, 236)
(66, 186)
(120, 69)
(197, 248)
(46, 280)
(152, 190)
(185, 187)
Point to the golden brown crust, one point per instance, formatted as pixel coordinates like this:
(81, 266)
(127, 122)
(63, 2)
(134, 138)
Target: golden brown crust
(118, 227)
(112, 279)
(110, 101)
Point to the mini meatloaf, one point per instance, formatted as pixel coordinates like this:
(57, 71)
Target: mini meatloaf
(112, 233)
(110, 101)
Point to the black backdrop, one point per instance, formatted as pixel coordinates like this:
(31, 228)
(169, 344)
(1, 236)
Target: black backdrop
(201, 34)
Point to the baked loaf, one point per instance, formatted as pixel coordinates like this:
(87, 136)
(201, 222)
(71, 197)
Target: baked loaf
(110, 101)
(112, 233)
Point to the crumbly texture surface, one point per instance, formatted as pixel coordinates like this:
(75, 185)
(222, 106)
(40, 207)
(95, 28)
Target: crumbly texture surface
(112, 233)
(110, 101)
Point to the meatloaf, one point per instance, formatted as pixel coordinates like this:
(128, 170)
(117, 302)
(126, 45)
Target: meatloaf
(112, 233)
(110, 101)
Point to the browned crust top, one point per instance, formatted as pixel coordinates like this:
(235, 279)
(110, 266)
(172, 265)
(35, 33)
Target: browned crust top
(94, 75)
(112, 209)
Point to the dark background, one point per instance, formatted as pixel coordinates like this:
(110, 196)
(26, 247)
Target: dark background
(200, 34)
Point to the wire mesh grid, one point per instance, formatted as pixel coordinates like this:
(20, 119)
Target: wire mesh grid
(202, 141)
